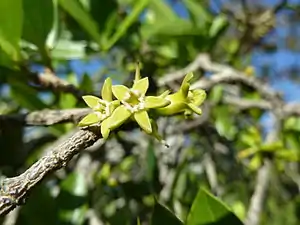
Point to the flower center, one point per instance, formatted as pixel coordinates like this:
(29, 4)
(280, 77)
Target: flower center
(103, 109)
(190, 98)
(134, 101)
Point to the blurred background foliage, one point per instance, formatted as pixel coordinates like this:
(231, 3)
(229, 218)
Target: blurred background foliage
(84, 41)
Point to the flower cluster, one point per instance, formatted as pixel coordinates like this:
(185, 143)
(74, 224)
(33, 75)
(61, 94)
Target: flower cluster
(120, 104)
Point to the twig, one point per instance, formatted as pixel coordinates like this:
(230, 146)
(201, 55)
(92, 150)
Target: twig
(258, 198)
(177, 75)
(222, 74)
(51, 81)
(47, 117)
(231, 76)
(13, 191)
(263, 175)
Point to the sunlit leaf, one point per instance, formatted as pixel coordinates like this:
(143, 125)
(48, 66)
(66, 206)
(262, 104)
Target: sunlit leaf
(137, 9)
(162, 11)
(199, 12)
(37, 23)
(218, 24)
(207, 209)
(11, 20)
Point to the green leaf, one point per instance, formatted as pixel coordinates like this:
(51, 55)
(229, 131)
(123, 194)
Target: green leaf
(38, 21)
(42, 205)
(198, 12)
(219, 23)
(225, 122)
(141, 85)
(143, 120)
(139, 6)
(163, 216)
(155, 102)
(82, 17)
(89, 119)
(67, 101)
(207, 209)
(11, 19)
(72, 199)
(172, 29)
(288, 155)
(162, 11)
(255, 162)
(65, 49)
(25, 95)
(86, 84)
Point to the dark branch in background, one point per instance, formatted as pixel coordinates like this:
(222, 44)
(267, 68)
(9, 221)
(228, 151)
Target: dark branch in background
(179, 74)
(49, 81)
(222, 74)
(13, 191)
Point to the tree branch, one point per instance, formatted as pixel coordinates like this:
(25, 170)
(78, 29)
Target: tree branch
(13, 191)
(222, 74)
(47, 117)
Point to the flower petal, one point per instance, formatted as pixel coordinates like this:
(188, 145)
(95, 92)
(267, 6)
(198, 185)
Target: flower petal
(118, 117)
(137, 72)
(141, 85)
(198, 96)
(120, 91)
(106, 92)
(89, 119)
(105, 128)
(177, 105)
(143, 120)
(195, 109)
(155, 102)
(188, 78)
(165, 94)
(185, 86)
(91, 101)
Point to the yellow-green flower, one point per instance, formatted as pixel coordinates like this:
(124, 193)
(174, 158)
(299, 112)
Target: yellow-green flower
(185, 100)
(102, 108)
(134, 104)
